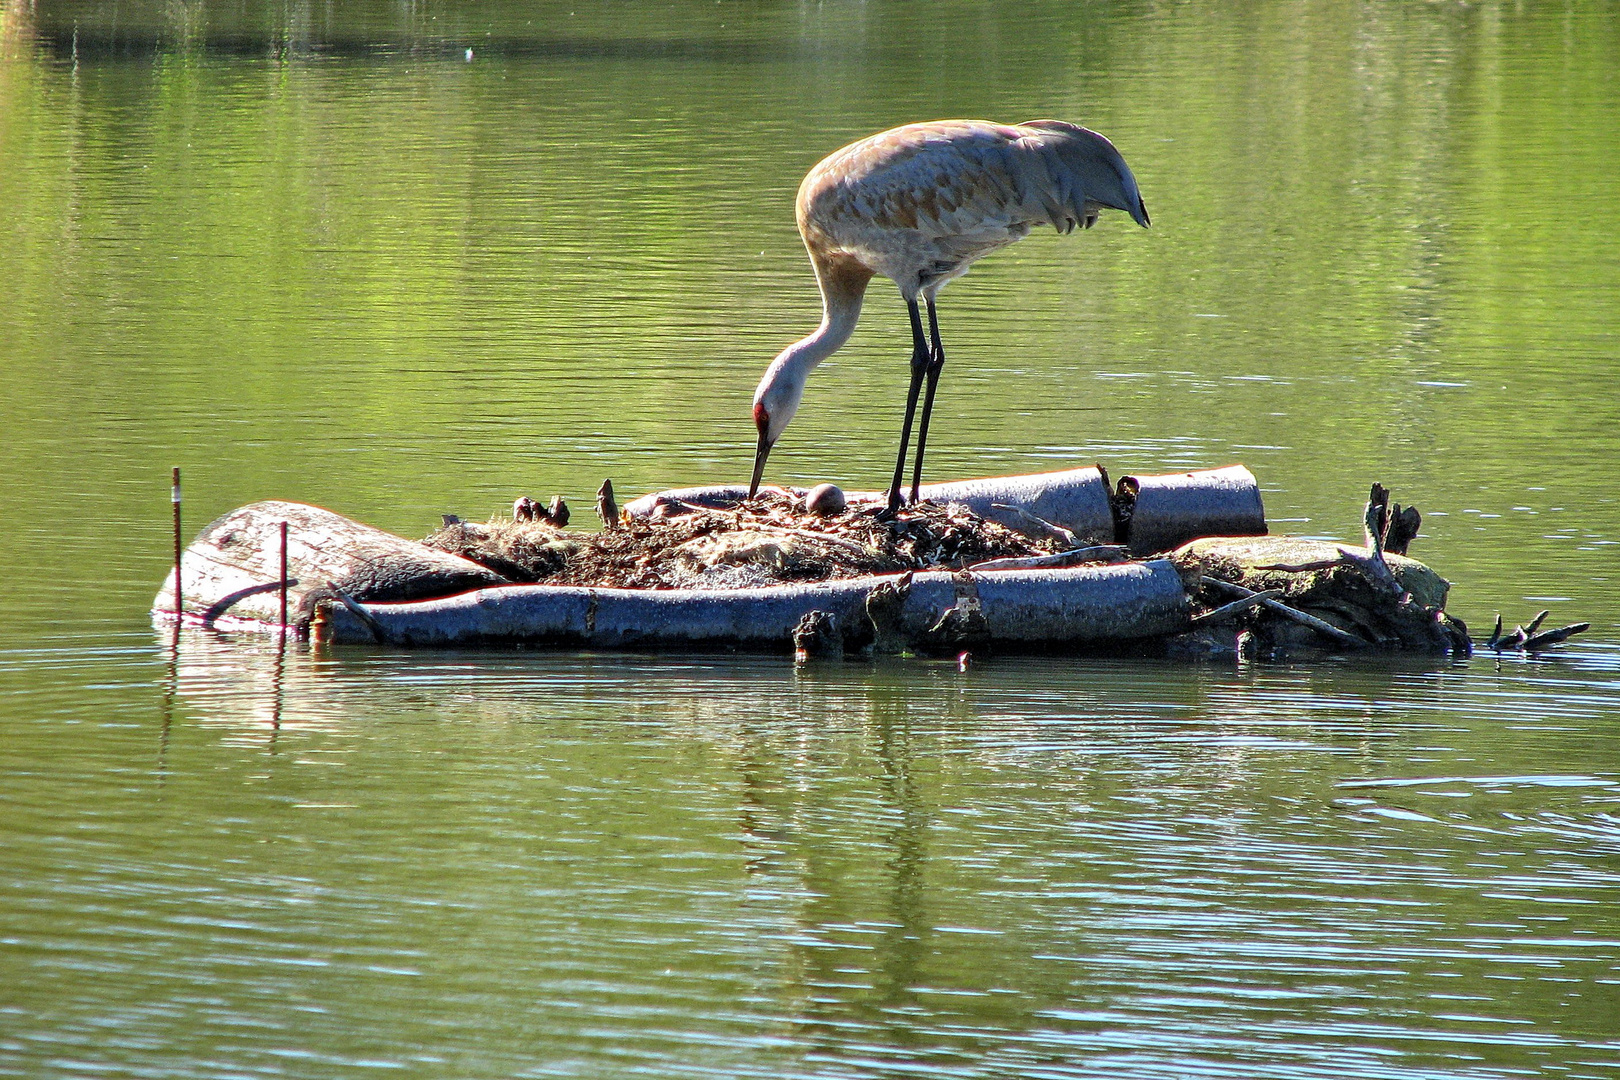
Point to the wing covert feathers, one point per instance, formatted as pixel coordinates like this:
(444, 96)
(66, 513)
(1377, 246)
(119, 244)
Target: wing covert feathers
(963, 184)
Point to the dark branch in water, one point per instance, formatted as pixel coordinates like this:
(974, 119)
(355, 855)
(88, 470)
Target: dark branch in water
(1526, 639)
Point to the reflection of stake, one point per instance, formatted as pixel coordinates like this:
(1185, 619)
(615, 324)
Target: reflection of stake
(281, 618)
(174, 497)
(606, 508)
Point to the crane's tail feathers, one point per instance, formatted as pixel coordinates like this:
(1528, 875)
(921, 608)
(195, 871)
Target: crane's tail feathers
(1089, 173)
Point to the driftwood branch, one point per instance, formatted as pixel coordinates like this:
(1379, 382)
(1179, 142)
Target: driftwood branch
(1553, 637)
(1374, 569)
(1235, 608)
(1526, 638)
(1374, 522)
(1388, 527)
(1376, 518)
(1326, 629)
(1301, 568)
(353, 605)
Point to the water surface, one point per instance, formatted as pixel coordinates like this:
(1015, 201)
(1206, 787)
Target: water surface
(320, 253)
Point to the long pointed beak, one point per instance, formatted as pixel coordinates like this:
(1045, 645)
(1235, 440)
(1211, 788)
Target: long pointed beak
(760, 455)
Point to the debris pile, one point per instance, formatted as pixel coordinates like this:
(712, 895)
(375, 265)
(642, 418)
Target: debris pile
(1282, 594)
(771, 540)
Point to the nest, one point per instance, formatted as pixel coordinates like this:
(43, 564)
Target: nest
(767, 541)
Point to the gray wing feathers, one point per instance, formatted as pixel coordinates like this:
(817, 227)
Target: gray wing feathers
(963, 188)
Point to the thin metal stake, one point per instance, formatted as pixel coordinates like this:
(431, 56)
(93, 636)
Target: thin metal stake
(283, 622)
(174, 497)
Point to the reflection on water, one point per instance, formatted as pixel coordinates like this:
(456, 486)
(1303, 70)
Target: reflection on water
(320, 252)
(536, 864)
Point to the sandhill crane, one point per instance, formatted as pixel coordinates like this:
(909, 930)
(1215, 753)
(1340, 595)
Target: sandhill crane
(919, 204)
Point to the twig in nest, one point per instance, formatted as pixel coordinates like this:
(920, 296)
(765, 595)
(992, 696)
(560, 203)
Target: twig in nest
(1072, 557)
(1046, 527)
(606, 507)
(836, 541)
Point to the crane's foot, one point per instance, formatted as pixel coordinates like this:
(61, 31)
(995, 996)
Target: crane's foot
(892, 511)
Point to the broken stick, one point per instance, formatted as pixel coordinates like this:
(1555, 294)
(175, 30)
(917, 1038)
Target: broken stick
(1326, 629)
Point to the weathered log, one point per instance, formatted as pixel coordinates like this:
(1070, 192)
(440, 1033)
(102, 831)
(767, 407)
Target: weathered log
(232, 568)
(1074, 499)
(1159, 513)
(1022, 609)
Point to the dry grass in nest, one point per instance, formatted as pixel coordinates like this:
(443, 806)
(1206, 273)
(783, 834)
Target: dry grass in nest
(766, 541)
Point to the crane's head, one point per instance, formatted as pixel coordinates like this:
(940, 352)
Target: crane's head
(775, 402)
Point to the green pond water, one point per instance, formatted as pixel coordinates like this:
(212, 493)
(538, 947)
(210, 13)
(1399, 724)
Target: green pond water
(401, 259)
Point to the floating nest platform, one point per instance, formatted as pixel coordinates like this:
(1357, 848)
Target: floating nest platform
(1176, 565)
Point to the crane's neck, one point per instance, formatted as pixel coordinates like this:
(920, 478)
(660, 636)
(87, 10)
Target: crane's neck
(843, 284)
(840, 311)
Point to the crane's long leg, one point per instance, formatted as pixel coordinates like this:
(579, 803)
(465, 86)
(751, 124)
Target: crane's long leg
(919, 368)
(936, 364)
